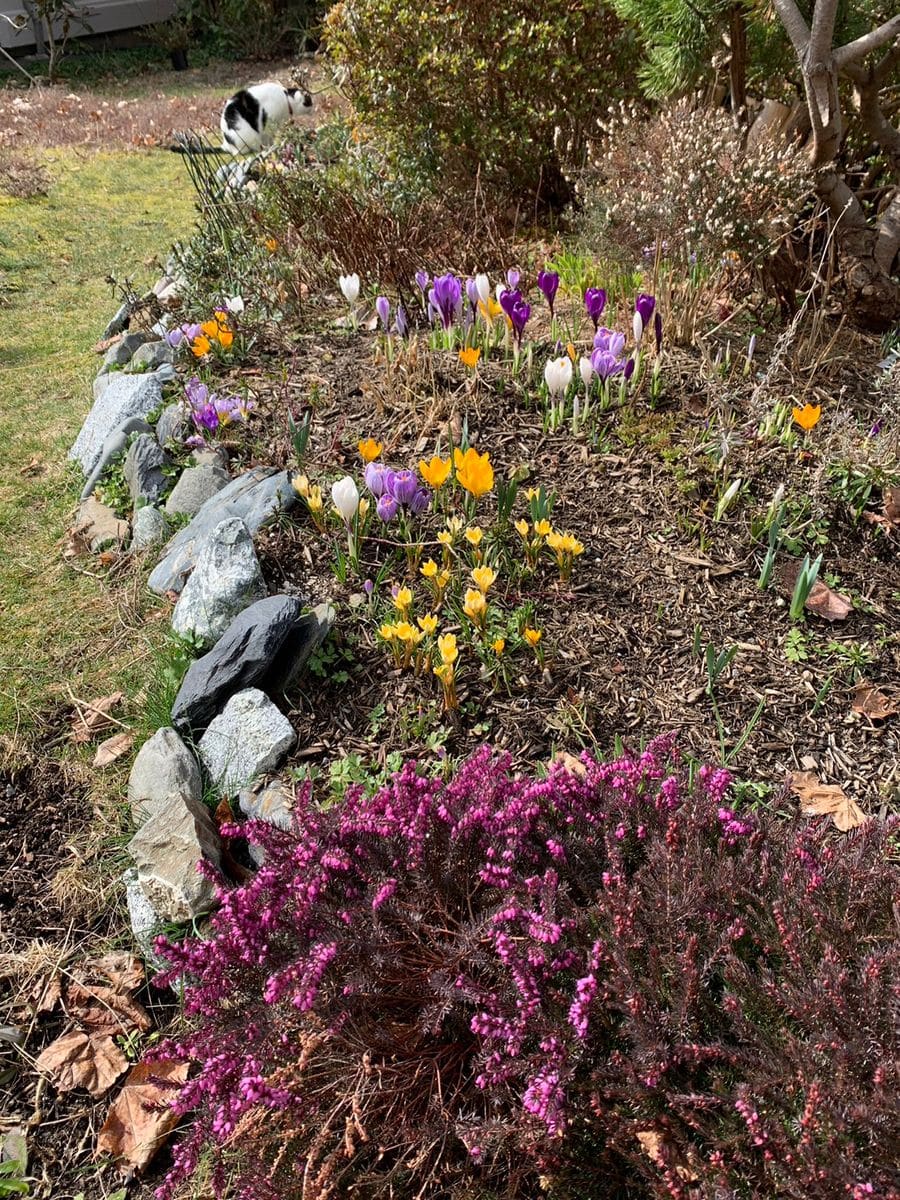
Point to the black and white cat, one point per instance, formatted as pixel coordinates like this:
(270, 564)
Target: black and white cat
(252, 116)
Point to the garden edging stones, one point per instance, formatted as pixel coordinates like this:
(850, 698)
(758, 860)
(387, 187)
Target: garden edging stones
(124, 396)
(255, 496)
(249, 737)
(225, 580)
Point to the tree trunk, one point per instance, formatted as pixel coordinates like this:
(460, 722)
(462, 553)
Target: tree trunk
(873, 294)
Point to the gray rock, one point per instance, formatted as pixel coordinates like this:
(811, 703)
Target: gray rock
(118, 324)
(125, 396)
(224, 582)
(163, 766)
(247, 739)
(171, 425)
(254, 496)
(271, 802)
(99, 526)
(149, 527)
(143, 469)
(146, 922)
(303, 640)
(210, 456)
(242, 658)
(194, 487)
(166, 373)
(100, 384)
(151, 355)
(112, 448)
(160, 328)
(166, 850)
(121, 353)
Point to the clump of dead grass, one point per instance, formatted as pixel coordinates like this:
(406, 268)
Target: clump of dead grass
(22, 177)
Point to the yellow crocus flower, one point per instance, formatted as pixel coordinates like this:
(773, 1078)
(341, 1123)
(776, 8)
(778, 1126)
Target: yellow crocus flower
(447, 648)
(483, 577)
(428, 624)
(532, 636)
(369, 449)
(474, 535)
(403, 599)
(435, 472)
(474, 471)
(475, 606)
(430, 568)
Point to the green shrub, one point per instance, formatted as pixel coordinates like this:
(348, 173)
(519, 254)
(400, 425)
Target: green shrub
(507, 93)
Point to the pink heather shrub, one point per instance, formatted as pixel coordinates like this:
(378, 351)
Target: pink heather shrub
(604, 982)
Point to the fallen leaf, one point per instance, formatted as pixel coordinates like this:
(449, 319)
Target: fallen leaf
(872, 702)
(113, 748)
(105, 343)
(92, 717)
(140, 1118)
(890, 518)
(572, 764)
(223, 813)
(652, 1145)
(123, 970)
(45, 994)
(822, 600)
(104, 1010)
(77, 1060)
(826, 799)
(34, 467)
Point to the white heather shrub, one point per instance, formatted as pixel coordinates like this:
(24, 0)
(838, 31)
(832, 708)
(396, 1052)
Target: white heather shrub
(681, 178)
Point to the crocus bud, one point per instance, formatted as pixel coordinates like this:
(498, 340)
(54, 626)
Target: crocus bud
(657, 329)
(472, 292)
(401, 322)
(423, 280)
(628, 369)
(345, 496)
(350, 287)
(512, 278)
(637, 324)
(483, 287)
(587, 371)
(374, 476)
(383, 308)
(558, 375)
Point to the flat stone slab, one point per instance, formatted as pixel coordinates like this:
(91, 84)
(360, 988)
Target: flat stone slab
(163, 766)
(99, 525)
(270, 640)
(249, 738)
(125, 396)
(166, 850)
(226, 579)
(255, 496)
(149, 356)
(122, 352)
(195, 486)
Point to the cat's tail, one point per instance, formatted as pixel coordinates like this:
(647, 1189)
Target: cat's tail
(188, 143)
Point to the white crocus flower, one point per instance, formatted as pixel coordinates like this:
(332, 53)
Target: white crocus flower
(558, 375)
(637, 324)
(483, 287)
(345, 495)
(234, 305)
(587, 371)
(350, 288)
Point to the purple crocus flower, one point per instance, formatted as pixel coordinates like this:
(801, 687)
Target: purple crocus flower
(375, 478)
(657, 330)
(195, 442)
(368, 587)
(610, 341)
(196, 392)
(517, 310)
(548, 282)
(206, 417)
(595, 302)
(422, 281)
(402, 485)
(512, 279)
(401, 322)
(420, 501)
(606, 364)
(628, 369)
(383, 308)
(446, 298)
(175, 337)
(387, 508)
(472, 293)
(644, 306)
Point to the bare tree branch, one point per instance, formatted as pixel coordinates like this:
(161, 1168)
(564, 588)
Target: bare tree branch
(854, 51)
(792, 20)
(841, 200)
(821, 36)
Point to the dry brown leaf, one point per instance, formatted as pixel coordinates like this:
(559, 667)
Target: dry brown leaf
(890, 518)
(572, 764)
(872, 702)
(34, 467)
(77, 1060)
(826, 799)
(92, 717)
(45, 994)
(113, 748)
(140, 1118)
(123, 970)
(652, 1144)
(825, 602)
(102, 1009)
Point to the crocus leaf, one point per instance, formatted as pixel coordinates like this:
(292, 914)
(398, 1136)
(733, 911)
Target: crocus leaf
(826, 799)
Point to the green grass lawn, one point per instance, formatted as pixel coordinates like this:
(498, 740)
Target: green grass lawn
(63, 625)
